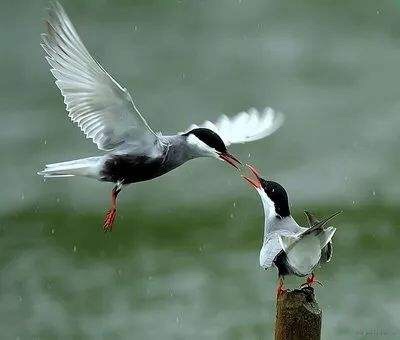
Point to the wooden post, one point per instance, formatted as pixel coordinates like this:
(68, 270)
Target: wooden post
(298, 316)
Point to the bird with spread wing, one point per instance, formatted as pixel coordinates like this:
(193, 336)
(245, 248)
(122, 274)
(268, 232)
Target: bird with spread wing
(105, 112)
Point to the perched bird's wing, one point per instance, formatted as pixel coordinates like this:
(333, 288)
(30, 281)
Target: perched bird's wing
(272, 247)
(311, 218)
(320, 224)
(305, 251)
(315, 223)
(102, 108)
(244, 126)
(327, 253)
(326, 236)
(302, 254)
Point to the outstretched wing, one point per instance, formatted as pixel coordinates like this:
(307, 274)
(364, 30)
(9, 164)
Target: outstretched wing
(244, 126)
(102, 108)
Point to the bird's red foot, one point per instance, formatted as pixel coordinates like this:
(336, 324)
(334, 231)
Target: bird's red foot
(311, 280)
(109, 219)
(280, 290)
(112, 213)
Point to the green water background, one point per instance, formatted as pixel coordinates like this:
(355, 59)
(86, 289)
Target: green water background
(183, 260)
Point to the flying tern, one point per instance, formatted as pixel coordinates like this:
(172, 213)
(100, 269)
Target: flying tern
(105, 112)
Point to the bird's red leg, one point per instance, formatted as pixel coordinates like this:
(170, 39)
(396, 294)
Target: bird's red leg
(281, 288)
(311, 280)
(112, 213)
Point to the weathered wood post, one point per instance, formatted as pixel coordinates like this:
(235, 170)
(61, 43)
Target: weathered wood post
(298, 316)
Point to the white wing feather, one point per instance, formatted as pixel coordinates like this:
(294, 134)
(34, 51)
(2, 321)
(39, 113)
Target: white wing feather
(269, 251)
(102, 108)
(272, 246)
(244, 126)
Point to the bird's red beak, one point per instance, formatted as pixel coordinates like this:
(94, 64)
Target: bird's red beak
(255, 180)
(229, 158)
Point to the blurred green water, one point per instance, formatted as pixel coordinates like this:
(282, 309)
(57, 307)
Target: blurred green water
(183, 275)
(183, 260)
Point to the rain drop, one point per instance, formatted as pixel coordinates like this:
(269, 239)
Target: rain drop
(373, 193)
(74, 249)
(48, 285)
(234, 204)
(52, 231)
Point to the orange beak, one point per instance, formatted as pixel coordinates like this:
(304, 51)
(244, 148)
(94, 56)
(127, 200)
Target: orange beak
(229, 158)
(255, 180)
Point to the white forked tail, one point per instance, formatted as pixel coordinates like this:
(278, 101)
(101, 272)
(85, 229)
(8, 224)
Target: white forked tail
(88, 167)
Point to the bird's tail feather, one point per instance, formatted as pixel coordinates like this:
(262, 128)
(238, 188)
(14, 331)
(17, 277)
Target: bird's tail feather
(88, 167)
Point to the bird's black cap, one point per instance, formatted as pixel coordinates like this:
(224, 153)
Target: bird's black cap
(278, 195)
(208, 137)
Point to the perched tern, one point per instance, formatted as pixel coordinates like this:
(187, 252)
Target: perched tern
(292, 249)
(106, 113)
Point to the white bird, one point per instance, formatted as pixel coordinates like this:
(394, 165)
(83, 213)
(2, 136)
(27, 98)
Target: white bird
(106, 113)
(292, 249)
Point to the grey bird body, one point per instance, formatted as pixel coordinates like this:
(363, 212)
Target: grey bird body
(131, 162)
(135, 164)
